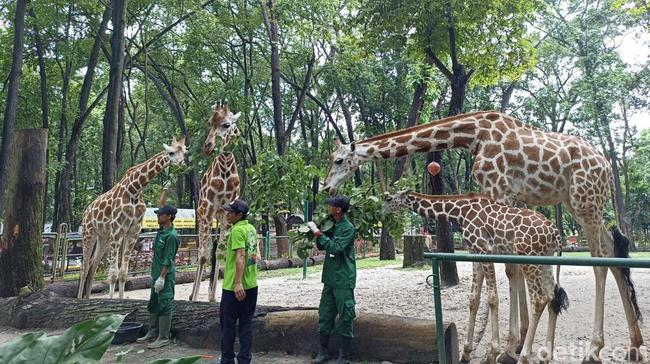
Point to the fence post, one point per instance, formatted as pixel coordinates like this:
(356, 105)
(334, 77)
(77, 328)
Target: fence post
(267, 245)
(305, 213)
(440, 334)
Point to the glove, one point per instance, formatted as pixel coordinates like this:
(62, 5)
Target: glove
(158, 286)
(312, 226)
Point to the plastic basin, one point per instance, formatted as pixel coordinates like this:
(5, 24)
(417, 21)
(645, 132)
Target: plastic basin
(127, 333)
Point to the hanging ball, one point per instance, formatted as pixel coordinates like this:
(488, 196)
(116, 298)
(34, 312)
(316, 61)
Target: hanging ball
(433, 168)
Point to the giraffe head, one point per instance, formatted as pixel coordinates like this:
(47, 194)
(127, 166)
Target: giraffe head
(395, 201)
(343, 162)
(222, 124)
(177, 152)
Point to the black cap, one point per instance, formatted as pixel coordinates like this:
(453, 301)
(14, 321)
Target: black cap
(339, 201)
(166, 210)
(237, 206)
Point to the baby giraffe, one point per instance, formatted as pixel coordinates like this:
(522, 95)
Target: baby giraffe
(493, 228)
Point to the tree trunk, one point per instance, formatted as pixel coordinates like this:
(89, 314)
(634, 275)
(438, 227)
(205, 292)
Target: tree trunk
(11, 108)
(21, 251)
(281, 230)
(63, 210)
(414, 247)
(63, 124)
(286, 329)
(386, 245)
(276, 92)
(109, 146)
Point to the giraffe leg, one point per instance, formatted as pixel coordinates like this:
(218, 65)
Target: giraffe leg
(205, 216)
(98, 253)
(597, 340)
(509, 356)
(636, 339)
(219, 252)
(493, 302)
(89, 245)
(474, 303)
(523, 310)
(113, 268)
(129, 244)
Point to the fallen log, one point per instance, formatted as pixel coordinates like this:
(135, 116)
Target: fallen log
(291, 330)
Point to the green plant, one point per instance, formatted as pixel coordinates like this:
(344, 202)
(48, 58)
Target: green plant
(84, 342)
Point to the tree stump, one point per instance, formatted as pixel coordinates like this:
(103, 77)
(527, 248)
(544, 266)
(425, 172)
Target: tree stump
(21, 250)
(414, 246)
(286, 329)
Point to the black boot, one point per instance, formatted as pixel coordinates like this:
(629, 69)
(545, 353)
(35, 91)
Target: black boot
(322, 356)
(344, 350)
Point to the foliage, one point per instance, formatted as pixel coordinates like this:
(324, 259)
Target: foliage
(84, 342)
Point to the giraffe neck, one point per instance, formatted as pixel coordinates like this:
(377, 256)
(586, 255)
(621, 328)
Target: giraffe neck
(450, 207)
(456, 132)
(139, 176)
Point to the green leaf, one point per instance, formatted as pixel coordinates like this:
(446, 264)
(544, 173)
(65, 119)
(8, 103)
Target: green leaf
(84, 342)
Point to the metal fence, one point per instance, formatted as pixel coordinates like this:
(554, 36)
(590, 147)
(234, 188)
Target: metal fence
(514, 259)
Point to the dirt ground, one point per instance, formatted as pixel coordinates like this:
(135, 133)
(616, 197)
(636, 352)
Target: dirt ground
(392, 290)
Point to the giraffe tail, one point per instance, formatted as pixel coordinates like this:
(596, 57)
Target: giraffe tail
(560, 301)
(622, 250)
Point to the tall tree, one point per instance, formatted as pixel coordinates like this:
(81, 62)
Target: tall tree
(111, 114)
(11, 108)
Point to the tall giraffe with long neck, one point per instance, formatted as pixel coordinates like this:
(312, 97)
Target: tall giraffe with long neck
(219, 186)
(113, 221)
(493, 228)
(517, 162)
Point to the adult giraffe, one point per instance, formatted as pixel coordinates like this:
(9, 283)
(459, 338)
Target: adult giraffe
(219, 186)
(114, 220)
(517, 162)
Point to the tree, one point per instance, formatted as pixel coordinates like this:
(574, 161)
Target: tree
(9, 120)
(109, 148)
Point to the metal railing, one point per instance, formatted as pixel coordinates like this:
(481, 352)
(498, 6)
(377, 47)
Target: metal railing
(512, 259)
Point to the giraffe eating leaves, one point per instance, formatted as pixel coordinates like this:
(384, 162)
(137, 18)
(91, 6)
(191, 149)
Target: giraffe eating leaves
(113, 221)
(219, 186)
(514, 162)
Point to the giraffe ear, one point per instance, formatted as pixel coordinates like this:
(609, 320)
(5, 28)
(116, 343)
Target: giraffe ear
(236, 116)
(174, 140)
(168, 148)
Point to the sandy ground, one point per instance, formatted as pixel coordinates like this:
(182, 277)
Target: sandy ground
(392, 290)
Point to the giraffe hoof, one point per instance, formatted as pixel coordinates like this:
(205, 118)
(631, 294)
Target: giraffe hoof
(520, 347)
(465, 358)
(633, 354)
(506, 358)
(488, 360)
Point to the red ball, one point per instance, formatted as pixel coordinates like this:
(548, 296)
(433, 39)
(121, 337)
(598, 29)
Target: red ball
(433, 168)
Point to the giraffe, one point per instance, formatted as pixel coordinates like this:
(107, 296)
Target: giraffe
(113, 220)
(493, 228)
(516, 162)
(219, 185)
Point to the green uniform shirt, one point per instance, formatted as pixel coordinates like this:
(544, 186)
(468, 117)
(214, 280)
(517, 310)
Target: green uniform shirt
(339, 268)
(165, 247)
(242, 236)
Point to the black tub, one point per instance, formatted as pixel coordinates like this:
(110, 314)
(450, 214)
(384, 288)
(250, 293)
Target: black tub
(127, 333)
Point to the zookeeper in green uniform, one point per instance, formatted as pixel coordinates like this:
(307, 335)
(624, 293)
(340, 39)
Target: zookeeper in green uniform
(339, 279)
(163, 275)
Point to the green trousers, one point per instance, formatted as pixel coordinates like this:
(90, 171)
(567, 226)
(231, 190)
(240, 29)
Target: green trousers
(162, 303)
(333, 302)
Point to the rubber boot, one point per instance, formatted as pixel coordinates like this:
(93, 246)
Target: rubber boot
(153, 329)
(322, 356)
(344, 350)
(164, 325)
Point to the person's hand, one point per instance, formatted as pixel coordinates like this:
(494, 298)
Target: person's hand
(240, 294)
(160, 283)
(312, 226)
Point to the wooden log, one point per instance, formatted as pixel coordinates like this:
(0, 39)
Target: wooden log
(70, 288)
(414, 246)
(144, 282)
(21, 244)
(278, 264)
(318, 259)
(291, 330)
